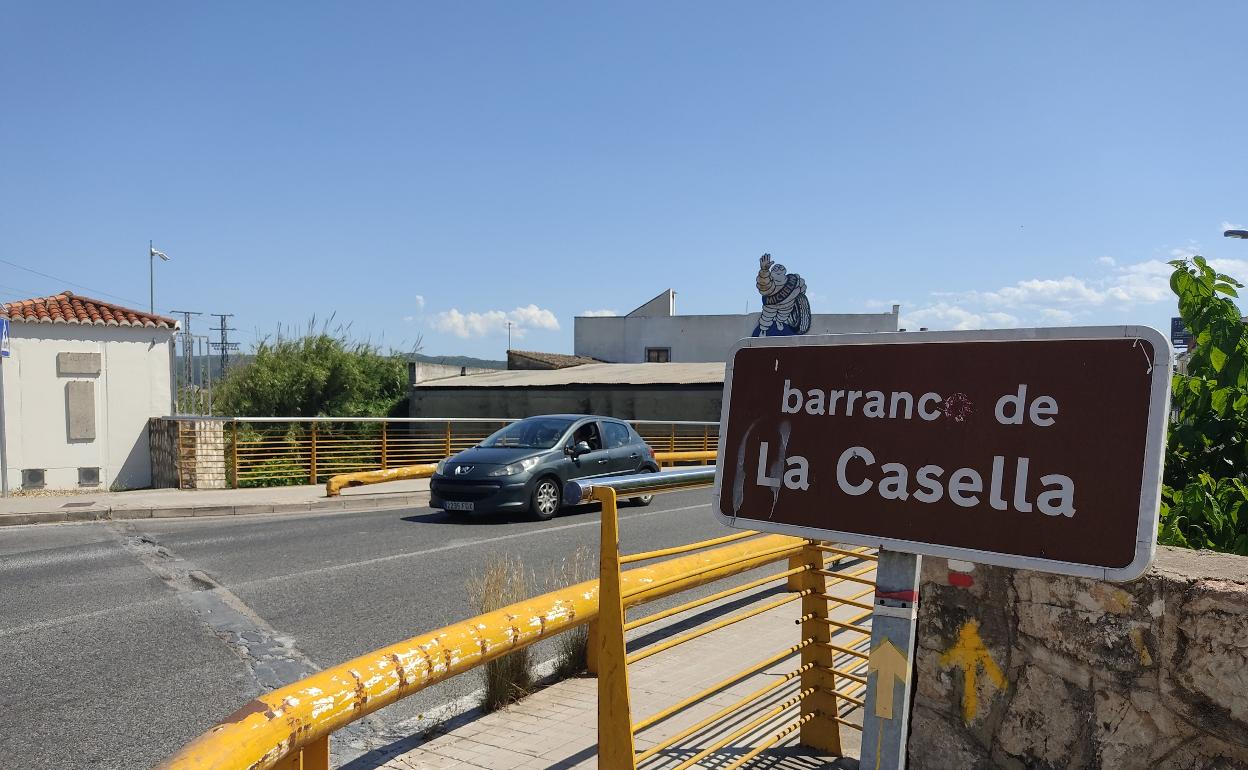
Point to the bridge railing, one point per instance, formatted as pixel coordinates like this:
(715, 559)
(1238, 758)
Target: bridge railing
(290, 728)
(271, 451)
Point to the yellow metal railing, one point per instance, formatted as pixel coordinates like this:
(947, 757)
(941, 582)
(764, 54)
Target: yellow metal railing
(289, 728)
(830, 677)
(257, 452)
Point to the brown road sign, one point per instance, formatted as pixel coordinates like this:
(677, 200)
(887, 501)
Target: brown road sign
(1032, 448)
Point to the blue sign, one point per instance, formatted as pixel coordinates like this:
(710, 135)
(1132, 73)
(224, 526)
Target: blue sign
(1180, 337)
(4, 338)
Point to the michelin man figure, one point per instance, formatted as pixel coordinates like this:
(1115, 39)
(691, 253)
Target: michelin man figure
(786, 311)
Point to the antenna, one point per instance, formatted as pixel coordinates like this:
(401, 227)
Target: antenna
(224, 346)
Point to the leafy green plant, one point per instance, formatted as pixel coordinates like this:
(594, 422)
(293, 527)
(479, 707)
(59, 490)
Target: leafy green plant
(1205, 495)
(318, 374)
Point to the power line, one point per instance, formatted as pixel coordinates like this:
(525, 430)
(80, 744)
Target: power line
(188, 348)
(131, 302)
(224, 346)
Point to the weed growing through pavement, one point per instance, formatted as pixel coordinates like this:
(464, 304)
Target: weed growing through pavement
(502, 581)
(571, 647)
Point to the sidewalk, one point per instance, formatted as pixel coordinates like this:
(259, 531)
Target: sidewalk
(165, 503)
(556, 727)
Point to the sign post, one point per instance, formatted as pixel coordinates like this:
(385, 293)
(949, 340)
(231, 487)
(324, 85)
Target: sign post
(1035, 449)
(886, 718)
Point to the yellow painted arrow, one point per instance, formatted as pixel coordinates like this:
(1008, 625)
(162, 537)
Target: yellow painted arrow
(888, 663)
(970, 654)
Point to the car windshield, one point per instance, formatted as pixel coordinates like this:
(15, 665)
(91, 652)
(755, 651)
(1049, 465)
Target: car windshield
(533, 433)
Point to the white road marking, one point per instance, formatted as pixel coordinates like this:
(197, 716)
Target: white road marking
(456, 545)
(84, 616)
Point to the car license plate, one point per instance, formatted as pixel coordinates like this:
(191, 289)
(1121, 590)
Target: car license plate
(451, 505)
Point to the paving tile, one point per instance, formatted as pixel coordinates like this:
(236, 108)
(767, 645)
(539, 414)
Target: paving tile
(556, 728)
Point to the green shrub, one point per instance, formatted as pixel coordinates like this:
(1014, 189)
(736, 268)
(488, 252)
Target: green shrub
(1205, 494)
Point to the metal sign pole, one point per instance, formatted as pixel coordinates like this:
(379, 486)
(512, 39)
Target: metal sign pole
(886, 718)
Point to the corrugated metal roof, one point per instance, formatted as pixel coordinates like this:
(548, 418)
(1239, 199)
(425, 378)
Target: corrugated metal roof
(592, 374)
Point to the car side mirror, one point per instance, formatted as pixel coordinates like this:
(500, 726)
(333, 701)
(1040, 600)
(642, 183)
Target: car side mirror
(579, 448)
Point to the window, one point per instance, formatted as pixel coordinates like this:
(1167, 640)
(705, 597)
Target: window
(589, 434)
(617, 434)
(658, 355)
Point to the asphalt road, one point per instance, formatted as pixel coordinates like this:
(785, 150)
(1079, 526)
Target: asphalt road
(115, 655)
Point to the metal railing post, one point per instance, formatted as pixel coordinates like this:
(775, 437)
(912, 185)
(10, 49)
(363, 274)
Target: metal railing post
(314, 756)
(821, 732)
(234, 427)
(384, 460)
(592, 646)
(615, 721)
(312, 457)
(671, 442)
(447, 453)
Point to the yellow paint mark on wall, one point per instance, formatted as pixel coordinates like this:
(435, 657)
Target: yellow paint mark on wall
(969, 654)
(1137, 638)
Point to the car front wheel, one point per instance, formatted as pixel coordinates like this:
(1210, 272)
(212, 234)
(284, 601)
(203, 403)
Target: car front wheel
(546, 499)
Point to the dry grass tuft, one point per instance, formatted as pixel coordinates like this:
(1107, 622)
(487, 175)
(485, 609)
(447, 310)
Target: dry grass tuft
(503, 581)
(572, 647)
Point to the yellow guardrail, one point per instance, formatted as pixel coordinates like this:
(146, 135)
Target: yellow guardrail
(672, 458)
(335, 485)
(263, 451)
(289, 728)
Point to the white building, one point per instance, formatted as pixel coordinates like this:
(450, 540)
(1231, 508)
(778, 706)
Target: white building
(81, 381)
(654, 333)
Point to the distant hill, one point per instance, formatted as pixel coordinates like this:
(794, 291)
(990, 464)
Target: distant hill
(469, 361)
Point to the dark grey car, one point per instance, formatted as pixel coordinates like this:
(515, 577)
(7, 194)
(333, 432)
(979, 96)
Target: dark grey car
(524, 466)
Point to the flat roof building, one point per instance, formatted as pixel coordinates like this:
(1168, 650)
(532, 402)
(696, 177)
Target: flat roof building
(655, 333)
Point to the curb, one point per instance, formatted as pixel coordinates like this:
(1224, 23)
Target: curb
(110, 513)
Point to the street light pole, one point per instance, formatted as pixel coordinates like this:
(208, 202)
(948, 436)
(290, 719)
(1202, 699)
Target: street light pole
(152, 254)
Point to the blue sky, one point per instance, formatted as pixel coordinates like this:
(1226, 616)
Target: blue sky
(436, 169)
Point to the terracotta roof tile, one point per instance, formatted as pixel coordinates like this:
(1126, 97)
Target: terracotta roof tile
(68, 308)
(530, 359)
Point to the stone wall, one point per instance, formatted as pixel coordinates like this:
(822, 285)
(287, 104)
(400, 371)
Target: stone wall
(1020, 669)
(163, 440)
(209, 454)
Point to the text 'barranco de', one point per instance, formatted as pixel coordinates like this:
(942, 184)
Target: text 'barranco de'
(1001, 483)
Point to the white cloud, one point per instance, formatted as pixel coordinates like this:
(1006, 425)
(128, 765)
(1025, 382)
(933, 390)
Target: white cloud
(534, 317)
(1186, 252)
(1235, 268)
(420, 302)
(944, 315)
(598, 314)
(1056, 317)
(1058, 301)
(409, 318)
(472, 324)
(1230, 226)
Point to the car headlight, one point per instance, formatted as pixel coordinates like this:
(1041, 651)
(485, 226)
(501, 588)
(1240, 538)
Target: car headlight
(440, 468)
(520, 467)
